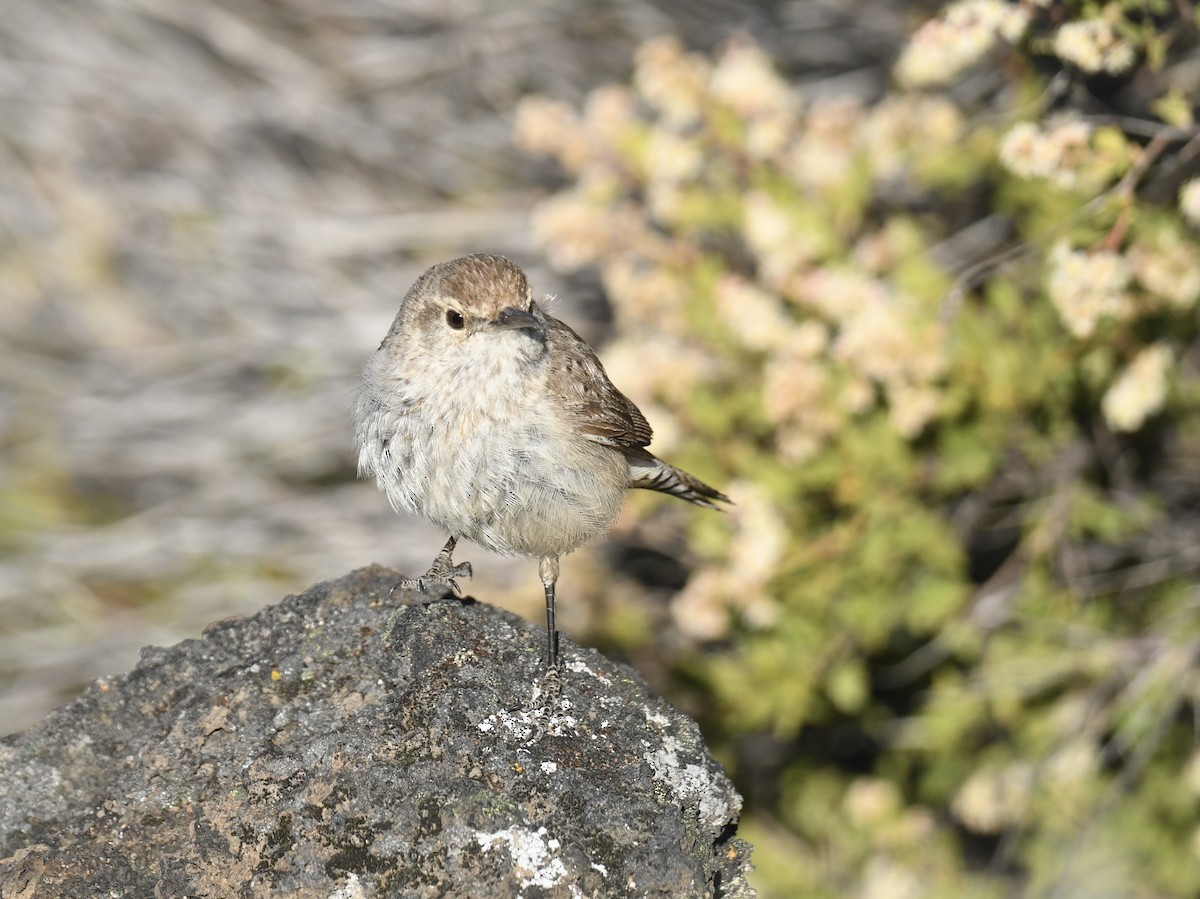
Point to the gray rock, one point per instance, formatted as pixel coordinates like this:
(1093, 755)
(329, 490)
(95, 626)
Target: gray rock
(342, 744)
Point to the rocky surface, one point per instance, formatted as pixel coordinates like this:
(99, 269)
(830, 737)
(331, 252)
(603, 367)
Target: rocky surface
(345, 743)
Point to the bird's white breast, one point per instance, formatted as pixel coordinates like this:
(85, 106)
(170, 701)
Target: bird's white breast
(480, 447)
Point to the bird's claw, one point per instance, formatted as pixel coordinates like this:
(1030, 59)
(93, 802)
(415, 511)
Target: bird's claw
(442, 573)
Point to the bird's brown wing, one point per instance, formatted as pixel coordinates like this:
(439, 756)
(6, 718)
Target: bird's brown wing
(577, 378)
(607, 416)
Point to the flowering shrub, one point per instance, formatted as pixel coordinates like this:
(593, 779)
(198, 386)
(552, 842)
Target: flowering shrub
(943, 355)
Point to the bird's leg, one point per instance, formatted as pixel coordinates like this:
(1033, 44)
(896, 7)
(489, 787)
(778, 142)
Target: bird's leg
(548, 569)
(442, 572)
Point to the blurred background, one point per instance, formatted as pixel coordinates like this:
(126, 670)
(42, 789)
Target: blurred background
(208, 216)
(916, 285)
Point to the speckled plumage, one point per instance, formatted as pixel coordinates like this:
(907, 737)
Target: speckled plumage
(505, 429)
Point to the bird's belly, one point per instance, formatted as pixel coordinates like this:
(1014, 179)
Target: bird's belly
(518, 487)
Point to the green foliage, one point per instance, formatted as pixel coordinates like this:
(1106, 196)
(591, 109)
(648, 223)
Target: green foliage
(964, 535)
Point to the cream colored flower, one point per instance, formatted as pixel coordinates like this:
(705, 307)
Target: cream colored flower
(644, 295)
(796, 445)
(671, 80)
(1087, 287)
(765, 224)
(875, 342)
(957, 39)
(761, 537)
(745, 80)
(609, 110)
(796, 390)
(552, 128)
(883, 341)
(566, 225)
(1071, 766)
(837, 294)
(808, 340)
(1094, 46)
(665, 202)
(756, 318)
(1057, 151)
(670, 156)
(830, 134)
(796, 396)
(819, 163)
(1140, 391)
(768, 136)
(910, 408)
(1189, 201)
(870, 801)
(857, 395)
(904, 125)
(658, 366)
(886, 878)
(779, 246)
(699, 610)
(1191, 773)
(990, 801)
(1170, 269)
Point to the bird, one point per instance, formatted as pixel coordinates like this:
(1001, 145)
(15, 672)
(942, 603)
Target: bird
(489, 417)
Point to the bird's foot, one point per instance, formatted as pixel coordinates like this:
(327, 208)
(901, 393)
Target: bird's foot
(443, 573)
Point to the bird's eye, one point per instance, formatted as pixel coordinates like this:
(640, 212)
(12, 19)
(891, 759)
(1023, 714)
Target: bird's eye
(454, 319)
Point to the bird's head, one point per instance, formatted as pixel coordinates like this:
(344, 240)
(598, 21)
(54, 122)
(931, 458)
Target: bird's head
(474, 306)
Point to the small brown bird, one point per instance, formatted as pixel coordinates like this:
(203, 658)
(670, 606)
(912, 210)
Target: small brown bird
(491, 418)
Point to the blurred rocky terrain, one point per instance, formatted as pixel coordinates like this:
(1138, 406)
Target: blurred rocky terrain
(208, 215)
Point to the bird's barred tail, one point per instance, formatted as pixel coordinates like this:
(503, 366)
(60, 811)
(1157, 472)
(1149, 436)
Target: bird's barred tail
(652, 473)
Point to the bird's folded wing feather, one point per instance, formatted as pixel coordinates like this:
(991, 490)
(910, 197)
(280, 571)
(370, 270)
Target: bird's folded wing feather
(605, 414)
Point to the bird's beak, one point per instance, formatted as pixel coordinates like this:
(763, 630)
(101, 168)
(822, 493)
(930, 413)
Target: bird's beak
(513, 319)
